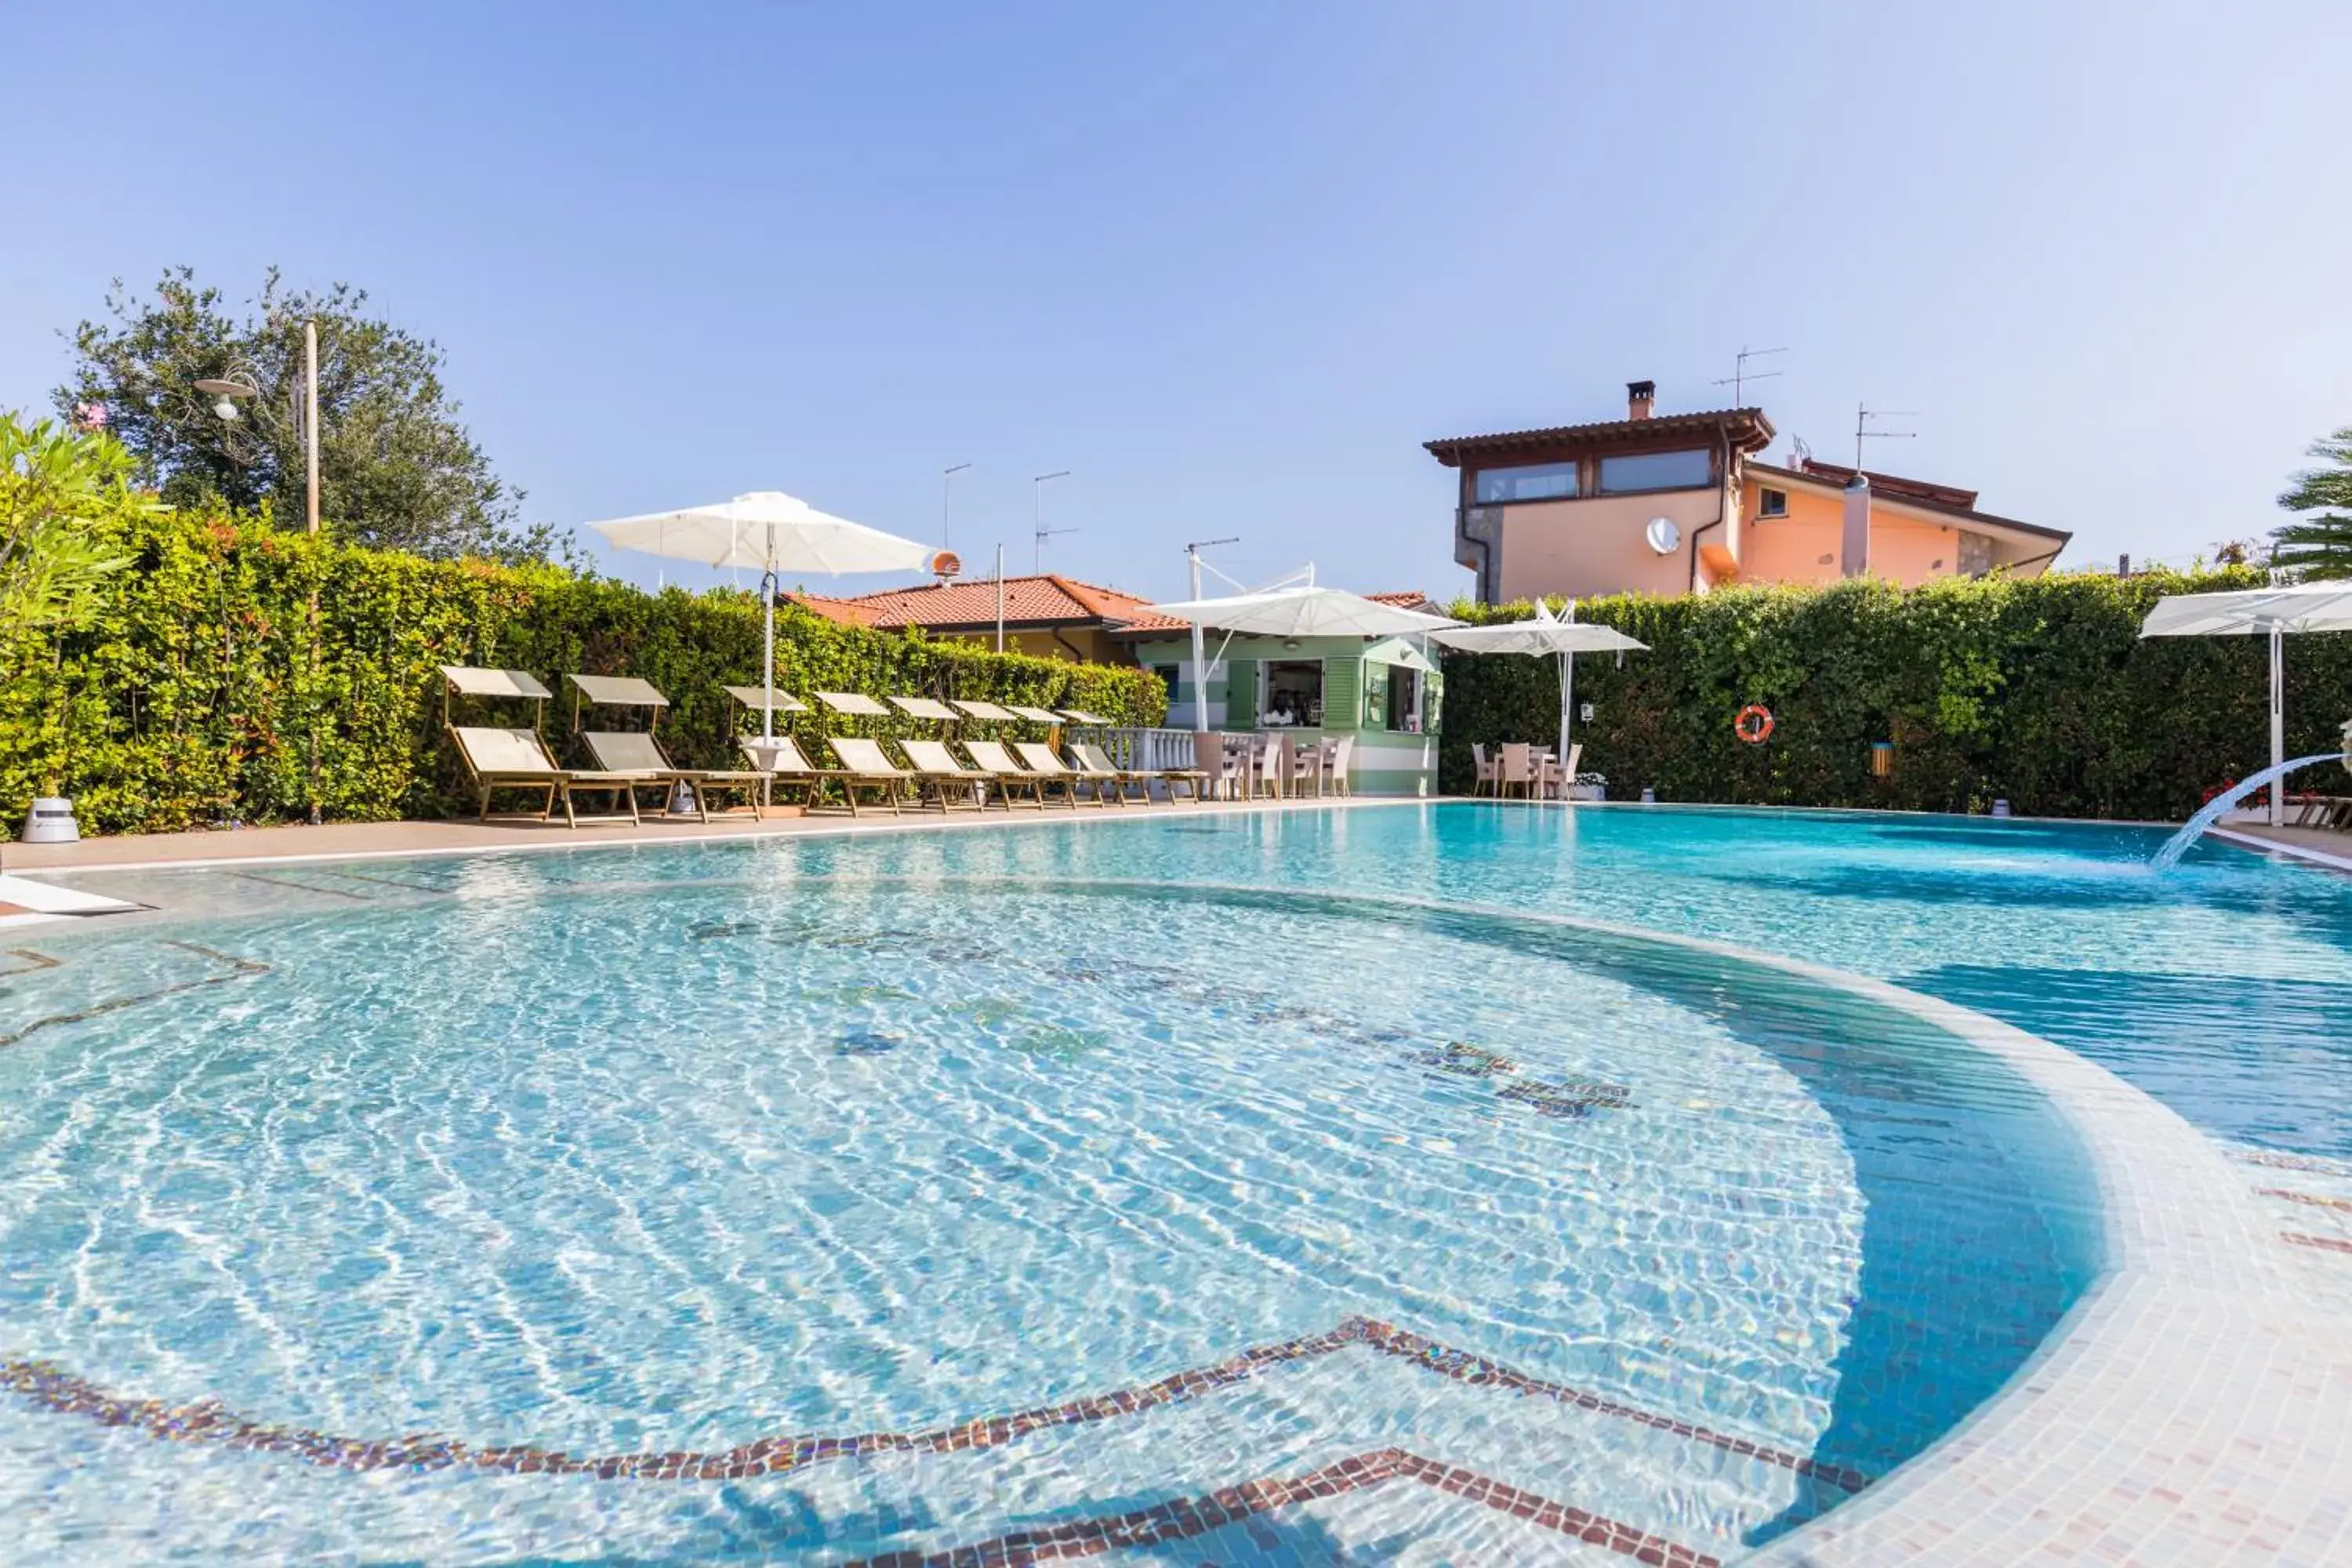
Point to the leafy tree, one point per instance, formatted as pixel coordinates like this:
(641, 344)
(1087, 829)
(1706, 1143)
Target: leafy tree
(53, 483)
(2319, 546)
(397, 470)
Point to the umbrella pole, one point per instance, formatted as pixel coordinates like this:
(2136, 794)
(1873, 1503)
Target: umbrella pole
(2278, 724)
(768, 655)
(1567, 706)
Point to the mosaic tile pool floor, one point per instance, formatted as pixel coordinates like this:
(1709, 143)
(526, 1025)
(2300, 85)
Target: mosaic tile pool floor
(986, 1198)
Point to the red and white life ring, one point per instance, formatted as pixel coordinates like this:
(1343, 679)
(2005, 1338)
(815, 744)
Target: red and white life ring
(1754, 724)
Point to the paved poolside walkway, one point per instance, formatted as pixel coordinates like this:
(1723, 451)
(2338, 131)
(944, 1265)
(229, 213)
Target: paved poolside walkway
(298, 841)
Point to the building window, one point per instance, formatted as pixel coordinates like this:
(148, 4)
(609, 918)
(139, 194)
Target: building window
(1294, 694)
(1405, 699)
(1168, 674)
(1536, 481)
(1655, 471)
(1771, 503)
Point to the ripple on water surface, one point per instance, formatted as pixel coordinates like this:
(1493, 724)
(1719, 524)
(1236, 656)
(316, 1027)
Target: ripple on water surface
(615, 1172)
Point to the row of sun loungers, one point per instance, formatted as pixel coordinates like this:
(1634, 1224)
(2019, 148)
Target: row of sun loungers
(628, 760)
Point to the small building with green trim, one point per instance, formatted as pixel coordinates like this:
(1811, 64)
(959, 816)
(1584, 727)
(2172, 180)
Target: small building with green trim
(1387, 693)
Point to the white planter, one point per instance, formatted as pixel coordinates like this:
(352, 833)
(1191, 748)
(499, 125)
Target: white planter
(1588, 792)
(51, 821)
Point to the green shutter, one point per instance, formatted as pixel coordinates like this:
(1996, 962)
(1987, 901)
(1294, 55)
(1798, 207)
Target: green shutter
(1340, 692)
(1241, 693)
(1433, 699)
(1376, 695)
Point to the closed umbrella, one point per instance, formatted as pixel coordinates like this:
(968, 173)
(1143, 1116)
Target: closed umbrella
(2275, 612)
(1545, 633)
(775, 532)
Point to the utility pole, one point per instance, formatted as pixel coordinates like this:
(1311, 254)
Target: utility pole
(947, 498)
(1000, 597)
(1199, 643)
(1043, 533)
(311, 420)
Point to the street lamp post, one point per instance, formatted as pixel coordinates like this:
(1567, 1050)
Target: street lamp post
(228, 390)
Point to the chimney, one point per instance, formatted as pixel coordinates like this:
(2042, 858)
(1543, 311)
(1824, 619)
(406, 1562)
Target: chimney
(1641, 396)
(1853, 548)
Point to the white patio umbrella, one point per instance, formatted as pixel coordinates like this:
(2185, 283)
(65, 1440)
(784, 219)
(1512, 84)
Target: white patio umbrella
(1545, 633)
(1304, 610)
(2304, 608)
(775, 532)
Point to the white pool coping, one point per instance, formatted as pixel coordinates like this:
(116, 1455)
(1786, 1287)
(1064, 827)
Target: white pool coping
(2195, 1407)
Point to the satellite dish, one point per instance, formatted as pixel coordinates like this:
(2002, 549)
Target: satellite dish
(945, 565)
(1663, 535)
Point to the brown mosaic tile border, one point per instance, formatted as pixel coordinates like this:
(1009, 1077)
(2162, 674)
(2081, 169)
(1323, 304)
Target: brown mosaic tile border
(34, 962)
(1188, 1517)
(2325, 1243)
(55, 1389)
(283, 883)
(2316, 1200)
(2281, 1162)
(238, 967)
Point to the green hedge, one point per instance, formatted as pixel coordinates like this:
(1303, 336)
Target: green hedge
(2039, 690)
(194, 700)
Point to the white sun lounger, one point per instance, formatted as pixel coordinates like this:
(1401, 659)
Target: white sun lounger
(950, 781)
(1052, 769)
(1011, 776)
(867, 767)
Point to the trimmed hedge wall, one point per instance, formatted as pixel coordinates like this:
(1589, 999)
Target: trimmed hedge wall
(2037, 689)
(191, 702)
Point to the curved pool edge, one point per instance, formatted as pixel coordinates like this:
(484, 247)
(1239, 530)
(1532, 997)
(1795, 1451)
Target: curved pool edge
(2194, 1403)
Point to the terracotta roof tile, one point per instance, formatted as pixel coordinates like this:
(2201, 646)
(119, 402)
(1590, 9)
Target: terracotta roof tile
(1028, 601)
(1749, 429)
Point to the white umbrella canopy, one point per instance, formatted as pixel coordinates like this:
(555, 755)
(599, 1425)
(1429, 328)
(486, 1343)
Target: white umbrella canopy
(1301, 611)
(1545, 633)
(769, 531)
(773, 532)
(2300, 608)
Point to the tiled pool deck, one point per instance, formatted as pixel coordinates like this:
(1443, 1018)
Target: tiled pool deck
(2195, 1408)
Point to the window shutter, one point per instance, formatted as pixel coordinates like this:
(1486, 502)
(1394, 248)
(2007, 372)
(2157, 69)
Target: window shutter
(1241, 693)
(1339, 693)
(1432, 687)
(1376, 695)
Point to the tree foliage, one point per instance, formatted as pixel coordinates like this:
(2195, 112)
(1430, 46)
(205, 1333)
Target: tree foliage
(397, 467)
(191, 698)
(2040, 690)
(54, 483)
(2319, 545)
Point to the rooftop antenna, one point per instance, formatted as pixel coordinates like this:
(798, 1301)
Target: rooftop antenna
(1861, 431)
(947, 498)
(1739, 377)
(1044, 533)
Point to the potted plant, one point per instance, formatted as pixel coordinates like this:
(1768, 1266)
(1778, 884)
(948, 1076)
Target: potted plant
(1589, 786)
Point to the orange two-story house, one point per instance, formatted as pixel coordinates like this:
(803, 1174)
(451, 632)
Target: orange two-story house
(1680, 504)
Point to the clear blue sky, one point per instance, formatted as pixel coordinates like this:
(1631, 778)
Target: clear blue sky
(1233, 264)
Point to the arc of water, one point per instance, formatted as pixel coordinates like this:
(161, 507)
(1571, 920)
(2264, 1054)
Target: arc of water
(2174, 847)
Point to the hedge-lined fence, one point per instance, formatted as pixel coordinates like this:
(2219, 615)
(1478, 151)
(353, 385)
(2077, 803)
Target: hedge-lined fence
(2039, 690)
(194, 698)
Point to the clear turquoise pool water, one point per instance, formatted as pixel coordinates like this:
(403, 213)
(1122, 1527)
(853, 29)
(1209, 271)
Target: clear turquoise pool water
(616, 1154)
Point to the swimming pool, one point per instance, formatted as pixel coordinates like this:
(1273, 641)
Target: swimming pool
(825, 1200)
